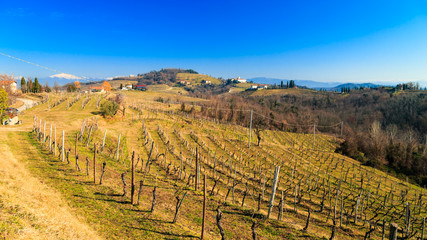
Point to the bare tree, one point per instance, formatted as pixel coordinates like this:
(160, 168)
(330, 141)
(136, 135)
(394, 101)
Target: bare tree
(55, 87)
(9, 85)
(375, 132)
(120, 99)
(391, 132)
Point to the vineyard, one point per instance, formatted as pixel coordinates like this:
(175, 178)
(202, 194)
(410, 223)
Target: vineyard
(155, 171)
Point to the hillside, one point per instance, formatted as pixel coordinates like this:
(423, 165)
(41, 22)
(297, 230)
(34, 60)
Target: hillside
(289, 91)
(196, 79)
(166, 76)
(171, 142)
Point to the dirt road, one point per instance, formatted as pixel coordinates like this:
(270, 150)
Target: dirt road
(28, 103)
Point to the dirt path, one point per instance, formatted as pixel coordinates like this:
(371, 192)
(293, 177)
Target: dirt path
(30, 209)
(28, 103)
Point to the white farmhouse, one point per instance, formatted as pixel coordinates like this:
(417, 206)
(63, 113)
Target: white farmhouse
(240, 80)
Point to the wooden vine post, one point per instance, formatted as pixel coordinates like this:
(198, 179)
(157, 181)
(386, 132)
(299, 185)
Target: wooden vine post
(44, 132)
(103, 140)
(117, 151)
(132, 186)
(273, 191)
(63, 146)
(94, 163)
(88, 137)
(54, 143)
(250, 131)
(50, 138)
(197, 171)
(40, 127)
(204, 207)
(422, 229)
(75, 147)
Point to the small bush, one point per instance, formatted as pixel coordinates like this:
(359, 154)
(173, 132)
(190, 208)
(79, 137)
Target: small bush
(109, 108)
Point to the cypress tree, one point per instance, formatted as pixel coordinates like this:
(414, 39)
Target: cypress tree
(23, 85)
(36, 87)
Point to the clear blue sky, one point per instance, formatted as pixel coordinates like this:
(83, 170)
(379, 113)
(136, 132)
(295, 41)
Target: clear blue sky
(355, 41)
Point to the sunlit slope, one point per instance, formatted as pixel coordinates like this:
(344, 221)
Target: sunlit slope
(239, 177)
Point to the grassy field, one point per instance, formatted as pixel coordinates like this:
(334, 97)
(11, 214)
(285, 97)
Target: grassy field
(239, 179)
(167, 96)
(30, 209)
(196, 79)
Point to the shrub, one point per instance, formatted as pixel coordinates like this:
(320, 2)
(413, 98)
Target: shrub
(109, 108)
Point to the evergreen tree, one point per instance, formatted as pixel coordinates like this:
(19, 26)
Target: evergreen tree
(23, 85)
(36, 87)
(281, 84)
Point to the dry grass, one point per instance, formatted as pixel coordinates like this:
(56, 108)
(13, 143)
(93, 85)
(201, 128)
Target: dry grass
(30, 209)
(172, 95)
(196, 79)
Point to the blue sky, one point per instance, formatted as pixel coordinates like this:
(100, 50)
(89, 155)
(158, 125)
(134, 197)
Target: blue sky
(347, 41)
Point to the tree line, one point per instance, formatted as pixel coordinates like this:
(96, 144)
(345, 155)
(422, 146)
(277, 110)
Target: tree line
(28, 86)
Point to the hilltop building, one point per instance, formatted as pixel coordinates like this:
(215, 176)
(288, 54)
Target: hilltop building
(259, 87)
(240, 80)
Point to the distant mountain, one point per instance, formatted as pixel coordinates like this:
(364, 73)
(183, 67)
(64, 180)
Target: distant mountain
(330, 86)
(354, 85)
(306, 83)
(64, 78)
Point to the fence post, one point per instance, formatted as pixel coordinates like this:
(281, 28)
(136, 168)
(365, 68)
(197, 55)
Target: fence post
(117, 151)
(50, 138)
(94, 163)
(132, 189)
(204, 207)
(63, 146)
(197, 170)
(103, 140)
(250, 131)
(54, 143)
